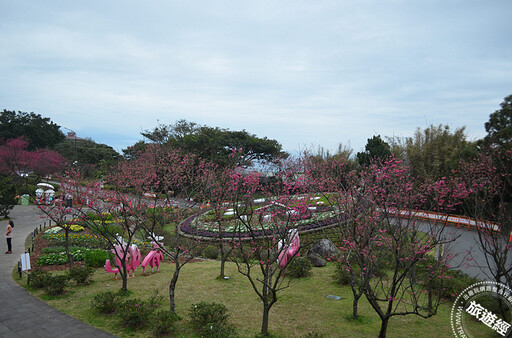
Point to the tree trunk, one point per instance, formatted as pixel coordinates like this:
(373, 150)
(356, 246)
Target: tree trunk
(383, 327)
(264, 321)
(172, 286)
(222, 264)
(124, 277)
(66, 248)
(355, 301)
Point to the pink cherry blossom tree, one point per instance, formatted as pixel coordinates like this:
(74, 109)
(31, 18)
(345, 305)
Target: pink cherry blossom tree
(217, 190)
(17, 160)
(264, 233)
(381, 241)
(59, 213)
(177, 177)
(488, 182)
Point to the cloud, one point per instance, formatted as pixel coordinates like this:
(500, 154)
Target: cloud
(296, 71)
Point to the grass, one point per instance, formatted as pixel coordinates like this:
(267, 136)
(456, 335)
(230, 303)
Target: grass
(302, 308)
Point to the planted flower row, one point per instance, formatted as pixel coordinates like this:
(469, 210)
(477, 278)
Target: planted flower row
(85, 240)
(188, 227)
(61, 257)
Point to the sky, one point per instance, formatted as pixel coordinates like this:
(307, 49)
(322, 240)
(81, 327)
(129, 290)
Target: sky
(308, 74)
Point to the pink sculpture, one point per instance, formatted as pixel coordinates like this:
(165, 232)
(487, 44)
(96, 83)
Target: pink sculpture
(134, 252)
(108, 268)
(134, 255)
(153, 258)
(290, 249)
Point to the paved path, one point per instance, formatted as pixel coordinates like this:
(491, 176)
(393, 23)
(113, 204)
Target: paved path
(21, 314)
(465, 251)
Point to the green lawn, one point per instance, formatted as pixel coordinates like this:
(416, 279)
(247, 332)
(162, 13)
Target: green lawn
(302, 308)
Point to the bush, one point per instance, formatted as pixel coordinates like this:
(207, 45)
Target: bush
(447, 284)
(135, 313)
(55, 285)
(85, 240)
(96, 258)
(164, 323)
(312, 335)
(39, 278)
(105, 302)
(61, 258)
(155, 300)
(299, 267)
(53, 230)
(76, 228)
(341, 275)
(59, 249)
(81, 274)
(452, 283)
(211, 252)
(211, 320)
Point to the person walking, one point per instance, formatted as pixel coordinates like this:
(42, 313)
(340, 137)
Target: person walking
(8, 236)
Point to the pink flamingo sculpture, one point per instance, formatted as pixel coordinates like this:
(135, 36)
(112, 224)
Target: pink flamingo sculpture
(134, 255)
(134, 252)
(290, 249)
(153, 258)
(108, 268)
(118, 252)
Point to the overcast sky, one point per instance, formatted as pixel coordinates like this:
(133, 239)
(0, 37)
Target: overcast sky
(306, 73)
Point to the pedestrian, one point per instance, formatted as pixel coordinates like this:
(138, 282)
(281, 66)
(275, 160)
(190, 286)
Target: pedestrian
(8, 236)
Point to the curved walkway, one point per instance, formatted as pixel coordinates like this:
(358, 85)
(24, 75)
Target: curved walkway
(23, 315)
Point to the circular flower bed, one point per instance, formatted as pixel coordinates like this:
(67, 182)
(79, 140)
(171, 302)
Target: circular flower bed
(201, 225)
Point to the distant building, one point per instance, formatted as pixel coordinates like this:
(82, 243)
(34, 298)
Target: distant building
(72, 136)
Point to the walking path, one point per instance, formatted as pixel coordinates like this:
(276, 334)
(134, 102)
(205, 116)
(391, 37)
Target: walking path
(21, 314)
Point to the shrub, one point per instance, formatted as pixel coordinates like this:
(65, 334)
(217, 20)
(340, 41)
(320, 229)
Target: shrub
(312, 335)
(76, 228)
(211, 320)
(55, 285)
(105, 302)
(39, 278)
(155, 300)
(53, 230)
(81, 274)
(59, 249)
(447, 284)
(106, 216)
(135, 313)
(211, 252)
(96, 258)
(269, 335)
(341, 275)
(452, 283)
(61, 258)
(86, 240)
(164, 323)
(299, 267)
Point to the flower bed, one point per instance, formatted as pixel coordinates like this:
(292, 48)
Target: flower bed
(196, 226)
(83, 239)
(61, 257)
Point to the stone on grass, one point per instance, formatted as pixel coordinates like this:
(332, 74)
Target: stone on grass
(316, 260)
(324, 248)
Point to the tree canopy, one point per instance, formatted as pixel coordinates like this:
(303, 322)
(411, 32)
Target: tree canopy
(499, 126)
(217, 144)
(435, 151)
(375, 148)
(40, 131)
(86, 153)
